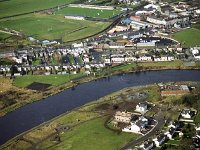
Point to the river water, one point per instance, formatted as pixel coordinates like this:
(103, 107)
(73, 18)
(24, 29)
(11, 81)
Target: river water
(31, 115)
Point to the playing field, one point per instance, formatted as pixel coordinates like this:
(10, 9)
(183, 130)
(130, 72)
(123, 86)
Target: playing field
(188, 37)
(88, 12)
(53, 27)
(12, 7)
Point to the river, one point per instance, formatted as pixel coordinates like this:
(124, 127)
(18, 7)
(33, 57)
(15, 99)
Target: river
(31, 115)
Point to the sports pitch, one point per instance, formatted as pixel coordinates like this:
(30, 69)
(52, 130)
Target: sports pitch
(53, 27)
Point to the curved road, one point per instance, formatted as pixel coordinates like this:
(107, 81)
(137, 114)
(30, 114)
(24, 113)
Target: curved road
(160, 122)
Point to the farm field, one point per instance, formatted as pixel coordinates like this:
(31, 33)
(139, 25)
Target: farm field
(189, 37)
(88, 12)
(53, 27)
(13, 7)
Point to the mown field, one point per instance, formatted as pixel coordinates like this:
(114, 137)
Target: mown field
(88, 12)
(90, 135)
(54, 80)
(13, 7)
(53, 27)
(189, 37)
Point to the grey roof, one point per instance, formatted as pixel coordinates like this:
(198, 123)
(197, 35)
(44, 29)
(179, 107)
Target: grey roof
(147, 144)
(160, 137)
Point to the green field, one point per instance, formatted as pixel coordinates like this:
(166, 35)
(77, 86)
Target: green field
(54, 80)
(176, 63)
(188, 37)
(53, 27)
(12, 7)
(88, 12)
(91, 135)
(4, 36)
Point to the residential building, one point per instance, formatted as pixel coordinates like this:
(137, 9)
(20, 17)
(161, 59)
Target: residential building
(141, 107)
(122, 116)
(159, 140)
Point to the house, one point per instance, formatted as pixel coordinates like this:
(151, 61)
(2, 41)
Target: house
(186, 113)
(174, 125)
(198, 132)
(138, 126)
(147, 145)
(159, 140)
(124, 117)
(141, 107)
(170, 133)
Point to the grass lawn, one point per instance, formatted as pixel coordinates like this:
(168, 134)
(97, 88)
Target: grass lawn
(53, 27)
(89, 12)
(4, 36)
(189, 37)
(91, 135)
(12, 7)
(124, 67)
(54, 80)
(197, 118)
(176, 63)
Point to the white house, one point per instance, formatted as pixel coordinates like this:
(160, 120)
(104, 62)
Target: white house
(147, 145)
(145, 58)
(198, 132)
(130, 59)
(174, 125)
(141, 107)
(170, 133)
(137, 126)
(159, 140)
(186, 113)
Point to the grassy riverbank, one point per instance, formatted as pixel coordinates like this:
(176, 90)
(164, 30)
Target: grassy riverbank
(85, 126)
(18, 95)
(86, 121)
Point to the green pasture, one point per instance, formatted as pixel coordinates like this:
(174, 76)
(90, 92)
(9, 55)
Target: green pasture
(53, 27)
(13, 7)
(188, 37)
(97, 13)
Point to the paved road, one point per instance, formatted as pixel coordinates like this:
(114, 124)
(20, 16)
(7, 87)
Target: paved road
(160, 122)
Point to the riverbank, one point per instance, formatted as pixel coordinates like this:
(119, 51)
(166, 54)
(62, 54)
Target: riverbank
(88, 122)
(73, 119)
(119, 69)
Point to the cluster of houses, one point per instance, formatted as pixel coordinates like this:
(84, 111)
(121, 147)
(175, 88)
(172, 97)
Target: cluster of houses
(160, 139)
(25, 61)
(134, 122)
(122, 58)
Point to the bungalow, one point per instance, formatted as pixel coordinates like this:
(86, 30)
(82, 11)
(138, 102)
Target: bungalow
(159, 140)
(141, 107)
(147, 145)
(186, 113)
